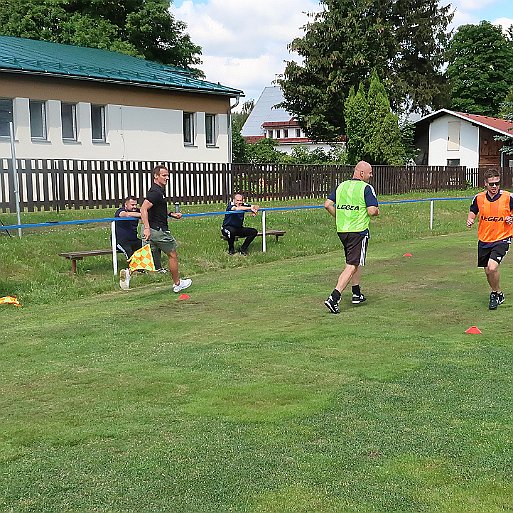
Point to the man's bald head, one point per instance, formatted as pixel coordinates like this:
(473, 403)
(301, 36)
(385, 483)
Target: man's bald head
(363, 171)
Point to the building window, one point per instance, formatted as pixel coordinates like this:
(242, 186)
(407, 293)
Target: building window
(453, 162)
(5, 116)
(98, 123)
(69, 121)
(278, 134)
(188, 128)
(270, 134)
(210, 129)
(285, 133)
(453, 135)
(298, 132)
(37, 111)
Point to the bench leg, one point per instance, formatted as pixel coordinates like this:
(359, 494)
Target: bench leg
(73, 266)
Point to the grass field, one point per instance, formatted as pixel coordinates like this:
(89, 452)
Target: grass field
(250, 396)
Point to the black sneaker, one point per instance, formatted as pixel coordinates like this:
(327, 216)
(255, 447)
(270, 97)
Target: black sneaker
(231, 252)
(243, 252)
(500, 297)
(357, 299)
(494, 301)
(332, 305)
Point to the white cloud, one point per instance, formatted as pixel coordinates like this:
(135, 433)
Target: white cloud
(245, 42)
(505, 23)
(472, 5)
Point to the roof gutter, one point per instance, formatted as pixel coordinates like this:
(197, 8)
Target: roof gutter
(231, 94)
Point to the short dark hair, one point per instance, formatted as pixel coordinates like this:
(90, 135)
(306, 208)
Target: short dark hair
(157, 169)
(128, 198)
(491, 173)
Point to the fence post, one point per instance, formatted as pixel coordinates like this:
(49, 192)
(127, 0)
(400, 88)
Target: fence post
(114, 245)
(264, 243)
(431, 213)
(16, 179)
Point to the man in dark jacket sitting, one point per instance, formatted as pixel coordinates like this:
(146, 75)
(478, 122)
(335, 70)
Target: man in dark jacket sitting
(233, 224)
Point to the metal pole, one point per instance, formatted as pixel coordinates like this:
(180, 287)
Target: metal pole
(264, 242)
(114, 247)
(431, 213)
(15, 176)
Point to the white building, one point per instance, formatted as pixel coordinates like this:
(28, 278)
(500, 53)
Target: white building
(266, 120)
(69, 102)
(448, 138)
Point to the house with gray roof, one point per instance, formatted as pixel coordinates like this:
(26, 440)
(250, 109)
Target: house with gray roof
(267, 120)
(69, 102)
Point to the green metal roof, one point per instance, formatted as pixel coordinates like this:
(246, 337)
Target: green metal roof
(42, 57)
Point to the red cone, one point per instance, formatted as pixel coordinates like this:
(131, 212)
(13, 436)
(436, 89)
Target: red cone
(473, 330)
(407, 255)
(183, 297)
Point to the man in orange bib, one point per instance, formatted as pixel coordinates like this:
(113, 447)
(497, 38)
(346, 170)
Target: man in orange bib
(494, 208)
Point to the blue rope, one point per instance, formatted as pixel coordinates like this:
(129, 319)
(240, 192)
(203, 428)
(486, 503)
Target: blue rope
(207, 214)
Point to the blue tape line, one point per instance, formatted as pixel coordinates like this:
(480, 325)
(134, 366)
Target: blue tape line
(207, 214)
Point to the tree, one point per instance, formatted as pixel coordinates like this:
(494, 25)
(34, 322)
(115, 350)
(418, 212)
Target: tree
(143, 28)
(372, 129)
(403, 40)
(506, 112)
(356, 111)
(480, 69)
(239, 146)
(265, 152)
(239, 118)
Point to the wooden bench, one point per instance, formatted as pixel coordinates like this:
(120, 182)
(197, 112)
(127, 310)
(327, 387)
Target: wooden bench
(276, 233)
(80, 255)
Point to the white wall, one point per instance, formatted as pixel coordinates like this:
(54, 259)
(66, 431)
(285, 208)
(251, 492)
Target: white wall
(468, 151)
(132, 133)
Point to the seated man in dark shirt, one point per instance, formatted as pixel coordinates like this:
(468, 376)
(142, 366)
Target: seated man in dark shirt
(127, 240)
(233, 224)
(126, 231)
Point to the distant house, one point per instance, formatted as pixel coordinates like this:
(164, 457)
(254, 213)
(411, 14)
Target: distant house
(268, 121)
(69, 102)
(448, 138)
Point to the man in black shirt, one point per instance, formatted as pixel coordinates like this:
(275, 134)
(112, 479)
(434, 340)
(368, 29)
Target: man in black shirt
(233, 224)
(154, 216)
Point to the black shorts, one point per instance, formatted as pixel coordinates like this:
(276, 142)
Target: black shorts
(496, 252)
(355, 247)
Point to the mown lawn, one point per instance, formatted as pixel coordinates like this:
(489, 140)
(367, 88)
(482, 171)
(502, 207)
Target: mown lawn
(250, 396)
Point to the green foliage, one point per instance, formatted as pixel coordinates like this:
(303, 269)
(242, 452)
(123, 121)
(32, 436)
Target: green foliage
(506, 112)
(372, 129)
(403, 40)
(480, 68)
(265, 152)
(239, 145)
(143, 28)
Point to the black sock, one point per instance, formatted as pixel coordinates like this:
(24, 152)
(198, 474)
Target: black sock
(335, 295)
(356, 290)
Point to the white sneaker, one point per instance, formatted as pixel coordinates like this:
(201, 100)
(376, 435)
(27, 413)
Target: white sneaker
(182, 285)
(124, 279)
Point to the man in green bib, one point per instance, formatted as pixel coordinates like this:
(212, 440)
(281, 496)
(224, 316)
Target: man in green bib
(352, 204)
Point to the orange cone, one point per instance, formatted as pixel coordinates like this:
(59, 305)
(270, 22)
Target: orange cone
(407, 255)
(473, 330)
(183, 297)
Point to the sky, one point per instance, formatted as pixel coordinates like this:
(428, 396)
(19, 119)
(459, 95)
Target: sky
(244, 42)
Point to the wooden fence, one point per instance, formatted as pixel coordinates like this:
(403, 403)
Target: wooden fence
(62, 184)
